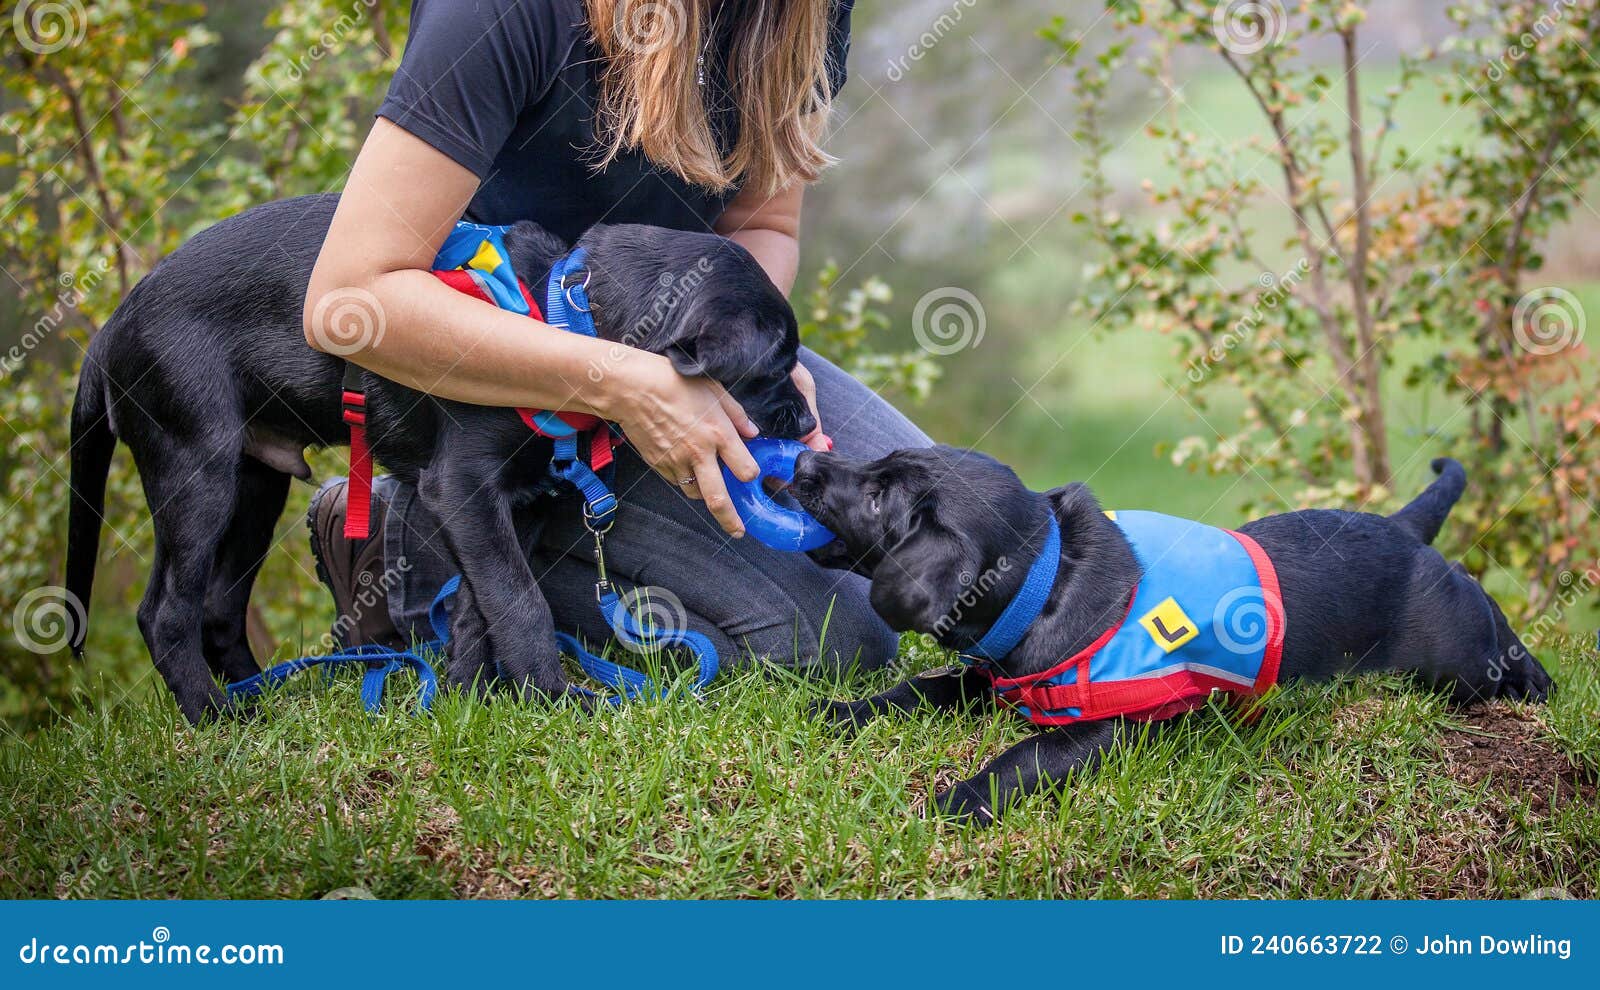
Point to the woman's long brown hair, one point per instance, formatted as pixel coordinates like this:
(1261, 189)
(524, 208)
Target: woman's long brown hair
(651, 100)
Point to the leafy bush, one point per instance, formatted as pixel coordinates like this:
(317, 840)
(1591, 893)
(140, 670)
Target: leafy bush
(842, 329)
(1370, 266)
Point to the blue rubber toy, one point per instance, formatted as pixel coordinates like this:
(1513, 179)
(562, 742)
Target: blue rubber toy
(780, 527)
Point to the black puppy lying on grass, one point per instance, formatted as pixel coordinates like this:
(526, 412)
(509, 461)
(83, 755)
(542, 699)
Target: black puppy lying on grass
(204, 372)
(950, 538)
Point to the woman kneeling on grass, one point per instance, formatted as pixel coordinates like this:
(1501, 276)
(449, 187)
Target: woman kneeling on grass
(696, 115)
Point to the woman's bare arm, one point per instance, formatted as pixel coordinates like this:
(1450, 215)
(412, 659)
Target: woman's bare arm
(402, 199)
(769, 228)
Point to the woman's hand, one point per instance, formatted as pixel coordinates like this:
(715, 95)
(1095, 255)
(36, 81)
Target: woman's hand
(807, 385)
(681, 427)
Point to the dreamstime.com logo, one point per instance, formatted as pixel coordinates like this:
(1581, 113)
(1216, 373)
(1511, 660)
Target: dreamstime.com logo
(371, 593)
(330, 41)
(1274, 292)
(1548, 320)
(673, 289)
(929, 39)
(1245, 618)
(647, 615)
(345, 321)
(45, 618)
(45, 27)
(973, 589)
(1527, 42)
(73, 289)
(1245, 27)
(159, 951)
(644, 27)
(948, 319)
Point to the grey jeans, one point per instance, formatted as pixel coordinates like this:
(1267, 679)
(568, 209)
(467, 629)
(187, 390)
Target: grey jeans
(750, 600)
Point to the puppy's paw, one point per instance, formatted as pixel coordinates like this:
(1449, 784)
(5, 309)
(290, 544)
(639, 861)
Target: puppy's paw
(1533, 682)
(965, 804)
(480, 689)
(245, 709)
(1516, 675)
(585, 701)
(213, 706)
(846, 717)
(470, 669)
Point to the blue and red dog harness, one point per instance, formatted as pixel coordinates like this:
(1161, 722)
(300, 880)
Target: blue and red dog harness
(1207, 615)
(474, 261)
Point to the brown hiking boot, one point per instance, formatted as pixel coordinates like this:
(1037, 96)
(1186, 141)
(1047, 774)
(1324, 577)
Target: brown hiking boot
(352, 569)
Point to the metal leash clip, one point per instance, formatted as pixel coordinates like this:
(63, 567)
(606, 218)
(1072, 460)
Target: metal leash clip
(590, 516)
(602, 585)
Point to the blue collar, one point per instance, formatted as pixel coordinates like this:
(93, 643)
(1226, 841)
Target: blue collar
(1007, 630)
(566, 295)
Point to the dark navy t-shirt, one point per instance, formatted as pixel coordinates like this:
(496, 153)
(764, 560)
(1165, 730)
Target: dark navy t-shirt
(508, 88)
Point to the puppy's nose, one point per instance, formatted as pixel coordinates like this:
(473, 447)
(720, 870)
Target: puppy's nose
(806, 467)
(805, 425)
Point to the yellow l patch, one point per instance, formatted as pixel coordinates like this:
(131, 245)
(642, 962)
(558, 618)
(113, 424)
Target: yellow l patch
(1169, 625)
(487, 259)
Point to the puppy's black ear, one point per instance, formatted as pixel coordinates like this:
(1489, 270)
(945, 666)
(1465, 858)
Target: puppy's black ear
(1070, 496)
(725, 345)
(685, 358)
(917, 583)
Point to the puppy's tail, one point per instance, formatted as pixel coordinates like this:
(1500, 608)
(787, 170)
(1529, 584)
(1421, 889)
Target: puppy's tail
(92, 446)
(1423, 515)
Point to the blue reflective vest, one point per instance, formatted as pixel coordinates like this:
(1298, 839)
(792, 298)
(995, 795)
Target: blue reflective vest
(1206, 616)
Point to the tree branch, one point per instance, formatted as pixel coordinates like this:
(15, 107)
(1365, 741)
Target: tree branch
(1367, 361)
(1509, 270)
(84, 147)
(380, 29)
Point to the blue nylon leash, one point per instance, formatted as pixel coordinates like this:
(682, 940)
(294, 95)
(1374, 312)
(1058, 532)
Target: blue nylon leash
(629, 684)
(480, 250)
(380, 661)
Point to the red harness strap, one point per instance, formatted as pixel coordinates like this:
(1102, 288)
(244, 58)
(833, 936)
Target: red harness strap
(553, 425)
(1036, 692)
(358, 498)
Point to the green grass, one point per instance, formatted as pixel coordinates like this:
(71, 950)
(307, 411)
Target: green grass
(1341, 790)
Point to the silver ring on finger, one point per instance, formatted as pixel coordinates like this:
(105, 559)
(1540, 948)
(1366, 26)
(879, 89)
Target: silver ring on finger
(686, 482)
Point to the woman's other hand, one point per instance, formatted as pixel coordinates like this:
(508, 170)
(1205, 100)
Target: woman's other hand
(681, 427)
(807, 385)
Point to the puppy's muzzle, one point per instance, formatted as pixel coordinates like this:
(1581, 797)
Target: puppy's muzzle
(786, 420)
(809, 476)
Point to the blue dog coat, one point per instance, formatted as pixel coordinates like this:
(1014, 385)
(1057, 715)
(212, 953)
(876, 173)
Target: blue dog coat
(1206, 616)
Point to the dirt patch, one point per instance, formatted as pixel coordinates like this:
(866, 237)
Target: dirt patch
(1511, 749)
(478, 873)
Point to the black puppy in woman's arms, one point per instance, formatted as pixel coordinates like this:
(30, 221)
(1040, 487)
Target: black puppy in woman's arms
(952, 539)
(205, 374)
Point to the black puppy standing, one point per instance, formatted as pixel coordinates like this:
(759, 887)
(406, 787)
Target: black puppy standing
(1359, 592)
(204, 372)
